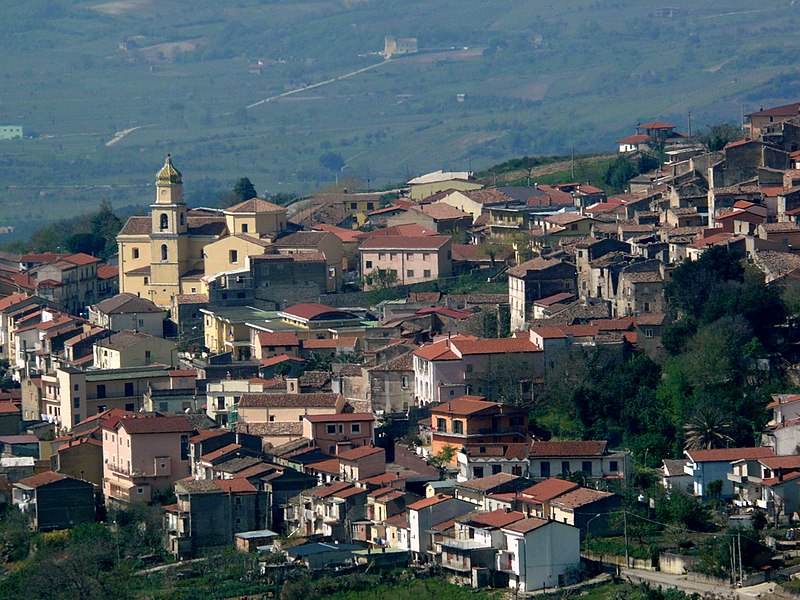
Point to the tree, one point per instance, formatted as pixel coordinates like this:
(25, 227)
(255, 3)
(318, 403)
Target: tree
(380, 279)
(715, 137)
(332, 161)
(618, 173)
(243, 190)
(708, 428)
(443, 458)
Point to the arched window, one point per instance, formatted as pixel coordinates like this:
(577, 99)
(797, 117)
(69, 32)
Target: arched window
(164, 221)
(163, 252)
(181, 218)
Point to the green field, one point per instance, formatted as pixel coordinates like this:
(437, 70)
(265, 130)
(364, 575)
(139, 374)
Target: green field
(539, 77)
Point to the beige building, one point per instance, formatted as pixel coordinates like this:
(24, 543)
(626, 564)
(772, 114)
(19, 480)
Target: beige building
(128, 311)
(230, 253)
(222, 396)
(163, 255)
(439, 181)
(70, 395)
(133, 349)
(406, 259)
(278, 418)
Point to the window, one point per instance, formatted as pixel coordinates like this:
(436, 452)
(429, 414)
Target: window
(244, 227)
(135, 253)
(353, 206)
(409, 272)
(404, 383)
(355, 428)
(613, 466)
(147, 357)
(164, 252)
(441, 425)
(272, 418)
(370, 205)
(129, 388)
(233, 256)
(181, 218)
(426, 273)
(163, 222)
(477, 472)
(76, 387)
(101, 391)
(368, 264)
(76, 402)
(300, 418)
(146, 280)
(516, 470)
(496, 469)
(330, 429)
(648, 333)
(184, 446)
(544, 468)
(458, 426)
(130, 407)
(586, 467)
(564, 467)
(646, 307)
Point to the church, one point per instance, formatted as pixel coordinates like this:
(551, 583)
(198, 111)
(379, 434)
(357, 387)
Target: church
(169, 252)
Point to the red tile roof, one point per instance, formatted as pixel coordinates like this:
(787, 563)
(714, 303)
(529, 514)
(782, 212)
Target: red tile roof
(426, 502)
(318, 399)
(655, 125)
(781, 462)
(308, 310)
(214, 455)
(41, 479)
(326, 466)
(728, 454)
(275, 360)
(634, 139)
(525, 525)
(549, 489)
(497, 518)
(278, 338)
(488, 483)
(568, 448)
(361, 452)
(787, 110)
(9, 408)
(207, 434)
(238, 485)
(342, 342)
(464, 406)
(580, 497)
(149, 424)
(494, 346)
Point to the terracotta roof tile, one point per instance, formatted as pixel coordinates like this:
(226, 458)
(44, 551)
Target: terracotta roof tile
(728, 454)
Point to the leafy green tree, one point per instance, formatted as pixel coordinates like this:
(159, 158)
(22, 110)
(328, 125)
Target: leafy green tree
(332, 161)
(619, 172)
(443, 459)
(715, 137)
(242, 190)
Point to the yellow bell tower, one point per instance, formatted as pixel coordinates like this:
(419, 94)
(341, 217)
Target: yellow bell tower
(169, 235)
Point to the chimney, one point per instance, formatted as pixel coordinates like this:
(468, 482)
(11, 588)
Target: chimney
(292, 385)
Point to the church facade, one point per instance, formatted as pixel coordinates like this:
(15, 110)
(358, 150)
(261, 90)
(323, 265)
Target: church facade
(164, 254)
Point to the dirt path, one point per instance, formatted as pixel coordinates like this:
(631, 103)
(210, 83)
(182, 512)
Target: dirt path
(121, 134)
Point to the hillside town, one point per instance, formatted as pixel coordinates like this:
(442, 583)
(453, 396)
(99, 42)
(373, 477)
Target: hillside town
(374, 380)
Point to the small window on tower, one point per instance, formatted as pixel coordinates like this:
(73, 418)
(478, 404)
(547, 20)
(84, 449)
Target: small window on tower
(164, 252)
(234, 256)
(135, 253)
(244, 227)
(164, 224)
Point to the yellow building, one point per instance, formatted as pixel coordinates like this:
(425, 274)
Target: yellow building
(163, 255)
(439, 181)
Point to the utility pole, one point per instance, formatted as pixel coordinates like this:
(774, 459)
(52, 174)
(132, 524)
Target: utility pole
(573, 162)
(741, 572)
(689, 117)
(625, 526)
(733, 562)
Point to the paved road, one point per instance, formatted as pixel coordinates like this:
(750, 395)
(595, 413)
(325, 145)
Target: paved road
(680, 582)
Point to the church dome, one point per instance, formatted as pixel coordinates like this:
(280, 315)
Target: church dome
(168, 173)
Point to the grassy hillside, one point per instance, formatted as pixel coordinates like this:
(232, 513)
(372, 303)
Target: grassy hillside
(539, 77)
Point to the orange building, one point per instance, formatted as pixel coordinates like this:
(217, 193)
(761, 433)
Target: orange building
(474, 420)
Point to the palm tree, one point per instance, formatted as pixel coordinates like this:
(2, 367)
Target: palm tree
(708, 428)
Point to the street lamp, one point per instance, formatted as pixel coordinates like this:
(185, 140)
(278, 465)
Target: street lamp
(340, 171)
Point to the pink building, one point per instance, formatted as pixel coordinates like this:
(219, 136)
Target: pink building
(143, 455)
(334, 434)
(409, 259)
(463, 364)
